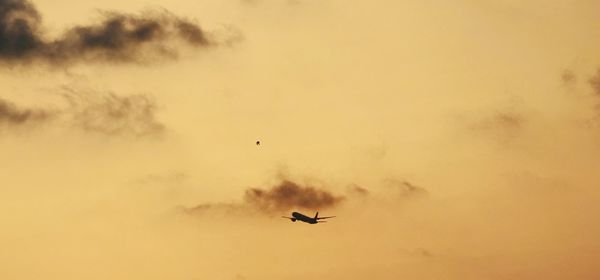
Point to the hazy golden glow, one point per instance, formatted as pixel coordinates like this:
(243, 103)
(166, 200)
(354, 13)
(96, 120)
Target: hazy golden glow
(467, 100)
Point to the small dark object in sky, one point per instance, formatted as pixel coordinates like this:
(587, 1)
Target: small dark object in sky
(257, 143)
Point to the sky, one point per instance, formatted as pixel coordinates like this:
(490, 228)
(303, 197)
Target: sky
(451, 139)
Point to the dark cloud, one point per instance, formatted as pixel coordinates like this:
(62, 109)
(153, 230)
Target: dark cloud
(289, 195)
(11, 114)
(594, 82)
(284, 196)
(117, 37)
(110, 114)
(19, 29)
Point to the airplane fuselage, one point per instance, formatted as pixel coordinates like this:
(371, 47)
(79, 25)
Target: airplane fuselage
(303, 218)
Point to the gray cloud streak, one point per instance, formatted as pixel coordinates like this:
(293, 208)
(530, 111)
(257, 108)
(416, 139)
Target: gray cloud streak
(95, 112)
(111, 114)
(117, 37)
(11, 114)
(594, 82)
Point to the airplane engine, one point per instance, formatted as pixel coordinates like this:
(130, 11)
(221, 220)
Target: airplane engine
(293, 219)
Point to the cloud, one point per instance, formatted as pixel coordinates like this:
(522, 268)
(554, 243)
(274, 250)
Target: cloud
(568, 77)
(219, 209)
(504, 120)
(117, 37)
(357, 190)
(503, 126)
(590, 101)
(284, 196)
(406, 188)
(11, 114)
(111, 114)
(289, 195)
(96, 112)
(594, 82)
(19, 29)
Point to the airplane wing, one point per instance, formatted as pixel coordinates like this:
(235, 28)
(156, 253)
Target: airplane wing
(320, 218)
(287, 217)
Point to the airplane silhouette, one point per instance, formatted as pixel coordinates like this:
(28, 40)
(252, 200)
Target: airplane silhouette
(300, 217)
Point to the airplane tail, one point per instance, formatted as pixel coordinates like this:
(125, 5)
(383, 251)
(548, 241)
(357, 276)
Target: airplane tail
(317, 215)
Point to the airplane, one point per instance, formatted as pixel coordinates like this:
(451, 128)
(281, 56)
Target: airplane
(300, 217)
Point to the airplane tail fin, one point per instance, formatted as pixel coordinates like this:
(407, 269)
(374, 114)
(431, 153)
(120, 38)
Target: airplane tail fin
(317, 215)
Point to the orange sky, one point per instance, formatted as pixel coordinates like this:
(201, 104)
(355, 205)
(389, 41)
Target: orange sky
(462, 140)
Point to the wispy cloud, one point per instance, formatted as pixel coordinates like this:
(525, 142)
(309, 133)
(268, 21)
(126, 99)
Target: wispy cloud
(91, 111)
(406, 188)
(11, 114)
(594, 83)
(111, 114)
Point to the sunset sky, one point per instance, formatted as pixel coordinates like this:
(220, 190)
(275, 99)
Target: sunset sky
(455, 140)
